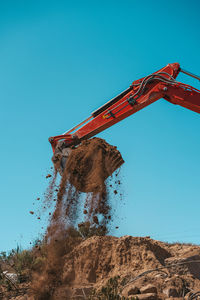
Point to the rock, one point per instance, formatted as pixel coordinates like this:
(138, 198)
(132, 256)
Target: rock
(185, 265)
(129, 290)
(175, 298)
(148, 296)
(171, 292)
(12, 276)
(150, 288)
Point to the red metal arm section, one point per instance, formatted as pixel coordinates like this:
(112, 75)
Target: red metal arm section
(184, 95)
(142, 92)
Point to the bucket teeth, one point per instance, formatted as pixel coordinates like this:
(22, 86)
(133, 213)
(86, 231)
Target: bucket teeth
(60, 157)
(113, 162)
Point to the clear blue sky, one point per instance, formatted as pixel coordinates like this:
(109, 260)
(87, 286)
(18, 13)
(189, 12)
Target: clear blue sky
(59, 61)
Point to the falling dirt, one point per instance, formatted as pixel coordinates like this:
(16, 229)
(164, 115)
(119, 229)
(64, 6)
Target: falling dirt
(83, 184)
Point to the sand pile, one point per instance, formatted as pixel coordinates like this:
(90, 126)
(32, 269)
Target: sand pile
(175, 268)
(136, 266)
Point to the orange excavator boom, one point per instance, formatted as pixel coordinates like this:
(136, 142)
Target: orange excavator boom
(141, 93)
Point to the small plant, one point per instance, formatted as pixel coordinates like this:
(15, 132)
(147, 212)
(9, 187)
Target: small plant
(22, 261)
(17, 265)
(19, 261)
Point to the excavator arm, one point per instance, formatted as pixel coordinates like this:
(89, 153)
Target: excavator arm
(141, 93)
(183, 95)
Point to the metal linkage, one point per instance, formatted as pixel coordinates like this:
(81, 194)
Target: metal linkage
(190, 74)
(157, 76)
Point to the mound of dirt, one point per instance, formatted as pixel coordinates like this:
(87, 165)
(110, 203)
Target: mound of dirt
(137, 267)
(133, 266)
(98, 259)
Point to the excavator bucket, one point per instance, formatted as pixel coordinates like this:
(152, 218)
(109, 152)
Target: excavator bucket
(87, 165)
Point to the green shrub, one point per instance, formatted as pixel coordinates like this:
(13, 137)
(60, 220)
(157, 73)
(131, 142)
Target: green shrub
(20, 261)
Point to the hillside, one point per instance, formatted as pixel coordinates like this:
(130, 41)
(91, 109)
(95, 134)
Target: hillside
(127, 266)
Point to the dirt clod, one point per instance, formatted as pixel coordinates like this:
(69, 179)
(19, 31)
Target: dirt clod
(95, 219)
(48, 175)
